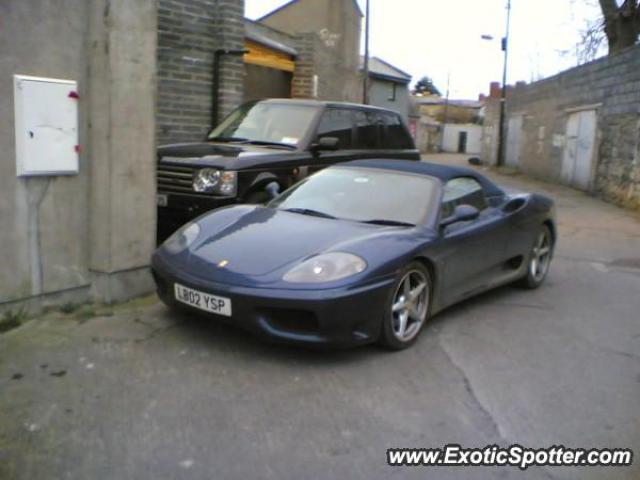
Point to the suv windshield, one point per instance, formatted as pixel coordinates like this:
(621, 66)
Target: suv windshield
(266, 122)
(362, 194)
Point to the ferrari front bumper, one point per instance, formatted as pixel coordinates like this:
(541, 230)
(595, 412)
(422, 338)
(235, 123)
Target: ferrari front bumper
(337, 317)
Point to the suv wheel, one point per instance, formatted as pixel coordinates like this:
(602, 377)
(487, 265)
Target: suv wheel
(258, 198)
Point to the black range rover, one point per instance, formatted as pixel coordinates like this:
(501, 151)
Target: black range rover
(264, 147)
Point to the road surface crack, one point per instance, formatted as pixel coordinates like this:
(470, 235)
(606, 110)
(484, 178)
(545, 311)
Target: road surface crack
(488, 422)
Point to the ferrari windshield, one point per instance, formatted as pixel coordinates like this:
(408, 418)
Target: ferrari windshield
(370, 195)
(272, 123)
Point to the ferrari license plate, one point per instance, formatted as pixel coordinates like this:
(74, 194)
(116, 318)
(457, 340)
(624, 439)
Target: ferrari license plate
(203, 301)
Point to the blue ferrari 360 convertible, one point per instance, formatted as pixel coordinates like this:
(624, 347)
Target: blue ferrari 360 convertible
(360, 252)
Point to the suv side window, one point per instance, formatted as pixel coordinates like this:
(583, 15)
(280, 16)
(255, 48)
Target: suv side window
(338, 123)
(368, 130)
(462, 191)
(395, 134)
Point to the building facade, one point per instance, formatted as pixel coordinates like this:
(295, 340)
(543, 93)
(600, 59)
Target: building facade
(304, 49)
(580, 128)
(189, 34)
(388, 87)
(328, 35)
(88, 233)
(450, 125)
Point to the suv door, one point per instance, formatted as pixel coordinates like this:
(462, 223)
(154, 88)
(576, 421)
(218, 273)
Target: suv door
(381, 134)
(475, 250)
(396, 139)
(368, 134)
(338, 123)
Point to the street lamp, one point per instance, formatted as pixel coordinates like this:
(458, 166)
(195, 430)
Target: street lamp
(503, 93)
(365, 69)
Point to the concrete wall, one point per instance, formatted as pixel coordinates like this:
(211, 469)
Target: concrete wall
(328, 45)
(611, 86)
(87, 235)
(380, 96)
(490, 130)
(189, 32)
(452, 135)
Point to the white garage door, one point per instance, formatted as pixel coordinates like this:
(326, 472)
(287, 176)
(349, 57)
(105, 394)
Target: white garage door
(577, 163)
(514, 137)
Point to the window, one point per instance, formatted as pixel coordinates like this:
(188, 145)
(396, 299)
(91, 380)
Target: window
(395, 134)
(354, 193)
(338, 123)
(267, 122)
(392, 92)
(368, 126)
(462, 191)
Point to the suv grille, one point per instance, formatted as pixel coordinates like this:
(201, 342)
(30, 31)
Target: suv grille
(176, 179)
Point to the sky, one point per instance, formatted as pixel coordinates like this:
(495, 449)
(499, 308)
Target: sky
(442, 39)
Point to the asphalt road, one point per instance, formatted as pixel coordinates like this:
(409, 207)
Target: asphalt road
(138, 392)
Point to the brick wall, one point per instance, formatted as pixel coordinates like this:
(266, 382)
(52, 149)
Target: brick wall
(302, 82)
(610, 85)
(189, 31)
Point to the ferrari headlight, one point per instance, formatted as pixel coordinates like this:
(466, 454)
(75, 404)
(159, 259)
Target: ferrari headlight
(326, 268)
(210, 180)
(184, 237)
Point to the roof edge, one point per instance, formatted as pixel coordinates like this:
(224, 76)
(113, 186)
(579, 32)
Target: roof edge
(291, 2)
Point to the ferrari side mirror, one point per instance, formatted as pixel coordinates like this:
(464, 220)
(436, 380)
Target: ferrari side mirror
(462, 213)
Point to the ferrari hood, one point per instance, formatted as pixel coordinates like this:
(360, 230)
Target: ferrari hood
(246, 245)
(263, 240)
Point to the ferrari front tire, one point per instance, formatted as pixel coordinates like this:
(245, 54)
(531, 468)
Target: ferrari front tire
(408, 307)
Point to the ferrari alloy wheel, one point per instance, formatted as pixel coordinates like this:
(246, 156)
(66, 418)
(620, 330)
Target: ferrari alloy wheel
(539, 259)
(409, 307)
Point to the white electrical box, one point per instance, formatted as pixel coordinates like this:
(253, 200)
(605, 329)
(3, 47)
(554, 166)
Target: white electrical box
(46, 122)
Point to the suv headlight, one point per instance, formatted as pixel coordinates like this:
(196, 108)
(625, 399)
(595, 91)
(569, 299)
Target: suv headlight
(210, 180)
(326, 268)
(184, 237)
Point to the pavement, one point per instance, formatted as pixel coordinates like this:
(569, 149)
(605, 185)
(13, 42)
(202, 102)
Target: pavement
(135, 391)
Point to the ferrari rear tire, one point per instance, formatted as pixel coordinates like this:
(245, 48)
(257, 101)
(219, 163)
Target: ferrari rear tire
(538, 260)
(408, 307)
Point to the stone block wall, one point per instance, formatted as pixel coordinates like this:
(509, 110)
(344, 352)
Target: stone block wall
(611, 86)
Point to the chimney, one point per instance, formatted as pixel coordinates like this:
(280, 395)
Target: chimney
(495, 90)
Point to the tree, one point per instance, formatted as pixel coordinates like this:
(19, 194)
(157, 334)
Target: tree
(618, 27)
(621, 23)
(425, 86)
